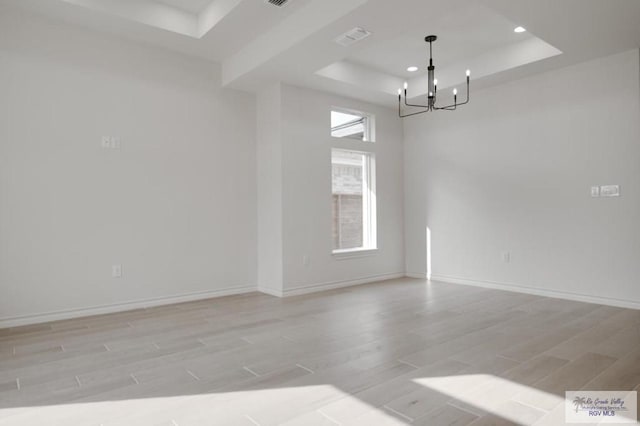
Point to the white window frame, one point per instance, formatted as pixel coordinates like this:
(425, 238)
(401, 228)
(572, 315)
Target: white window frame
(369, 124)
(369, 205)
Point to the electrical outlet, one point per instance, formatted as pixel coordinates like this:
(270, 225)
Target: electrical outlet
(595, 191)
(305, 260)
(116, 271)
(506, 257)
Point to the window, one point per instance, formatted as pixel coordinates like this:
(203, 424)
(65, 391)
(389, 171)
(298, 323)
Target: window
(354, 200)
(352, 125)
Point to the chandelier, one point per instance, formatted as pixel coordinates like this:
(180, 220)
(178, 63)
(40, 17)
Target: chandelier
(432, 90)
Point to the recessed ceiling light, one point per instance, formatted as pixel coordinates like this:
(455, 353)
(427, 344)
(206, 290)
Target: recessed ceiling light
(412, 69)
(519, 30)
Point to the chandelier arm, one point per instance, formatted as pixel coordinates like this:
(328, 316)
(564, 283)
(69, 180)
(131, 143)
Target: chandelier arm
(453, 106)
(412, 105)
(409, 115)
(414, 113)
(467, 101)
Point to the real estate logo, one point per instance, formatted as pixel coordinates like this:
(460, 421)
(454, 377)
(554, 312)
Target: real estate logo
(619, 407)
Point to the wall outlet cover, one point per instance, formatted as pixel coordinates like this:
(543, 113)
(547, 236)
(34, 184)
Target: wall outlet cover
(116, 271)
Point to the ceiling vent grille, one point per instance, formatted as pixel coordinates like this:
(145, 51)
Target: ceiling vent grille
(352, 36)
(278, 3)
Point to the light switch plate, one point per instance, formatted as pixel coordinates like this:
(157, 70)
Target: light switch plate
(595, 191)
(610, 191)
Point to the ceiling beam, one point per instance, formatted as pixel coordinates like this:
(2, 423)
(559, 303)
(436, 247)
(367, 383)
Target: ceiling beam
(291, 31)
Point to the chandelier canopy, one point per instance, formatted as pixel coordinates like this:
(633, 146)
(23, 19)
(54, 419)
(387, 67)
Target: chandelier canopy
(432, 90)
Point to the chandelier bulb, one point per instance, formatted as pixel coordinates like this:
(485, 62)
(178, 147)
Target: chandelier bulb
(468, 73)
(455, 92)
(406, 85)
(399, 91)
(435, 81)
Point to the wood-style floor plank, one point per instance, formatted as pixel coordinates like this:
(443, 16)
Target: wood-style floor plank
(393, 353)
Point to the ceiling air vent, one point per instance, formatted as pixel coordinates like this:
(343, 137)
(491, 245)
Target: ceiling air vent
(352, 36)
(278, 3)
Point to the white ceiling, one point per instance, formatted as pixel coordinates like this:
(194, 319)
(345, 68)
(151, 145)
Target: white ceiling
(190, 6)
(256, 43)
(463, 33)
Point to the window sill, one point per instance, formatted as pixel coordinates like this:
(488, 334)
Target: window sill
(354, 253)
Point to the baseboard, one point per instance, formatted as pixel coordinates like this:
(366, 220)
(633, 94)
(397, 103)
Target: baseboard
(420, 275)
(120, 307)
(313, 288)
(148, 303)
(538, 291)
(270, 291)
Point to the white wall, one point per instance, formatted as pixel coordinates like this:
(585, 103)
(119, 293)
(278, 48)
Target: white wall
(176, 205)
(192, 207)
(307, 224)
(512, 171)
(269, 184)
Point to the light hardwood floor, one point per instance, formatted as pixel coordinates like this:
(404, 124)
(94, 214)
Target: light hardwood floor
(392, 353)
